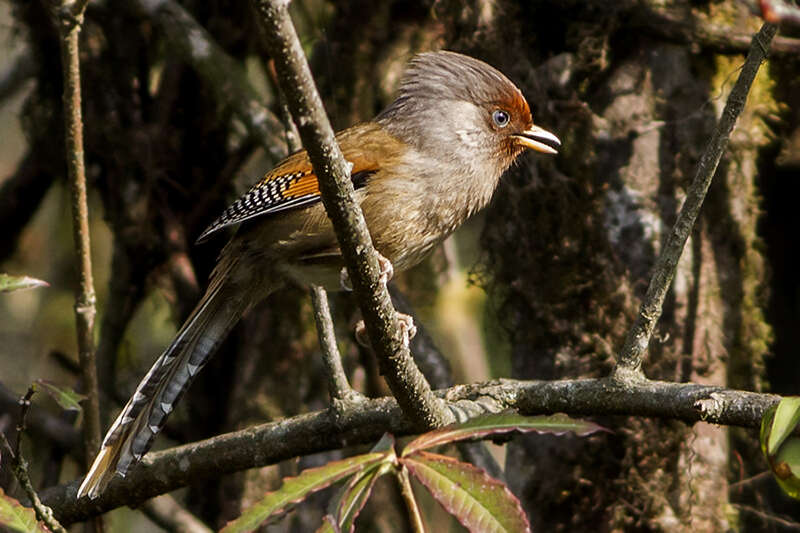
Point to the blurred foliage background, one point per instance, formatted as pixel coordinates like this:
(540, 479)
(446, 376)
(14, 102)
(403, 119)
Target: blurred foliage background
(542, 285)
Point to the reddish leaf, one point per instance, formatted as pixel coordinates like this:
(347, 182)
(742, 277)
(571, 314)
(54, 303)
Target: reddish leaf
(354, 496)
(17, 517)
(501, 423)
(481, 503)
(295, 489)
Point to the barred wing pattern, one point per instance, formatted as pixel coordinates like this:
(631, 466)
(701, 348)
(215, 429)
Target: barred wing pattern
(276, 193)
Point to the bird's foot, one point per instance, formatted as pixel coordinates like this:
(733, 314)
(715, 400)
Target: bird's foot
(386, 273)
(361, 334)
(387, 270)
(407, 329)
(344, 280)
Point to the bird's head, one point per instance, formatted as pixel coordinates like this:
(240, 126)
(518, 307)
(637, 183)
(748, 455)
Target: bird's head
(462, 110)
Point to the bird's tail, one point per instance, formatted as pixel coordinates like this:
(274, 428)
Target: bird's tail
(132, 433)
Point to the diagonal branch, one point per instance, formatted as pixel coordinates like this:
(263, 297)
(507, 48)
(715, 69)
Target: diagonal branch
(366, 421)
(224, 75)
(338, 385)
(404, 378)
(629, 364)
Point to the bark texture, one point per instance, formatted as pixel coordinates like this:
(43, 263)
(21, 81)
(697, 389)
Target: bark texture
(180, 115)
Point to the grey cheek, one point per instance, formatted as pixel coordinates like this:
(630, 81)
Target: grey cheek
(469, 138)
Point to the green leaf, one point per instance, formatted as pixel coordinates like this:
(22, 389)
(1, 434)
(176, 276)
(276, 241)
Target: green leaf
(67, 399)
(344, 509)
(295, 489)
(354, 495)
(17, 517)
(501, 423)
(766, 429)
(16, 283)
(787, 415)
(786, 467)
(481, 503)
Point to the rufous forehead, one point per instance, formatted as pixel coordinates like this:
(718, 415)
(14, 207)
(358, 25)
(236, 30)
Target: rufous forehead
(515, 103)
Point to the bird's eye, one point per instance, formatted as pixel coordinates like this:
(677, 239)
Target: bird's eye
(501, 118)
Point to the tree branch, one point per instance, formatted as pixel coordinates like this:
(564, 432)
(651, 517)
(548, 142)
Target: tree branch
(222, 73)
(338, 385)
(404, 378)
(692, 30)
(629, 364)
(365, 422)
(69, 23)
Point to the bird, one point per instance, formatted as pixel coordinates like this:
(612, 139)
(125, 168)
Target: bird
(420, 168)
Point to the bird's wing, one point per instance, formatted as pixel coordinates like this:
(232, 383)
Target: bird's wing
(290, 185)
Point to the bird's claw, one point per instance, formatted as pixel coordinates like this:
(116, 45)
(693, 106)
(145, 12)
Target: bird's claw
(407, 329)
(386, 273)
(344, 280)
(387, 270)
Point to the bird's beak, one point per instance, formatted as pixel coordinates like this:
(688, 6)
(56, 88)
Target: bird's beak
(538, 139)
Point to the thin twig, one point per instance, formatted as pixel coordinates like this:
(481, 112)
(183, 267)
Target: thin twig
(365, 422)
(768, 517)
(24, 407)
(42, 424)
(629, 364)
(337, 378)
(69, 20)
(20, 468)
(69, 26)
(338, 386)
(404, 378)
(767, 474)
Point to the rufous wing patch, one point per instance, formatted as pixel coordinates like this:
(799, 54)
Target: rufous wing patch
(293, 184)
(301, 186)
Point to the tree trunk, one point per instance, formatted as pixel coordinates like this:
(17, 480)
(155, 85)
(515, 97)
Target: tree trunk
(571, 243)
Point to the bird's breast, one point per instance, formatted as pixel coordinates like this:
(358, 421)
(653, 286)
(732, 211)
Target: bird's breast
(418, 203)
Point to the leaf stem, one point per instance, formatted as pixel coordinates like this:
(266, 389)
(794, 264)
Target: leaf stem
(407, 491)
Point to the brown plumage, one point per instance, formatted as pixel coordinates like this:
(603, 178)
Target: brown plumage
(420, 168)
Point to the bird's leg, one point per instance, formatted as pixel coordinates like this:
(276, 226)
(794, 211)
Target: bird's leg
(407, 326)
(387, 273)
(407, 329)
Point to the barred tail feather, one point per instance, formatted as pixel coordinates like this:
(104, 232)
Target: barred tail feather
(142, 418)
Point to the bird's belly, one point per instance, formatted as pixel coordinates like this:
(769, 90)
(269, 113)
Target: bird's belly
(403, 227)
